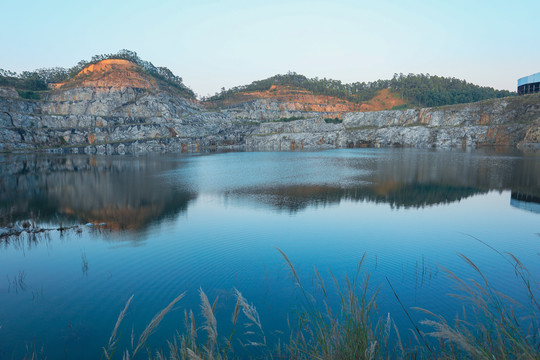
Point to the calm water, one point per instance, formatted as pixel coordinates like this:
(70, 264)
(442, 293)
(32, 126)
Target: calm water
(179, 223)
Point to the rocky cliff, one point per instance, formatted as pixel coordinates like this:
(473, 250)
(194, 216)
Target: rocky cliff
(111, 108)
(503, 122)
(114, 107)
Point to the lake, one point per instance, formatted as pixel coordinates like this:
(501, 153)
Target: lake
(159, 225)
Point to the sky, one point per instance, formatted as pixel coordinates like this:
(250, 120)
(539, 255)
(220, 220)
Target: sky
(213, 44)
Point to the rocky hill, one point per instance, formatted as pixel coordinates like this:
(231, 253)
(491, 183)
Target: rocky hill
(110, 73)
(116, 106)
(406, 91)
(110, 107)
(281, 102)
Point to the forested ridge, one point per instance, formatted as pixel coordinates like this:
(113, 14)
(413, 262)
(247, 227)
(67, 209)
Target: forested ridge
(30, 83)
(417, 90)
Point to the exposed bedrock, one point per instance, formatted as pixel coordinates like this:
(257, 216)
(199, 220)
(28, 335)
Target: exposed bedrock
(131, 119)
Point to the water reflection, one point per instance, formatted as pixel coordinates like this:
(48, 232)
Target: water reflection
(60, 287)
(409, 179)
(398, 195)
(122, 192)
(130, 193)
(525, 202)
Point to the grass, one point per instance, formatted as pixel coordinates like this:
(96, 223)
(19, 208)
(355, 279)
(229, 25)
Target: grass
(324, 333)
(192, 344)
(247, 122)
(288, 119)
(29, 94)
(401, 107)
(489, 327)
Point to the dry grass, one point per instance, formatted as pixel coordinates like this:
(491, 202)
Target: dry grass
(353, 330)
(490, 327)
(188, 345)
(111, 347)
(109, 350)
(348, 332)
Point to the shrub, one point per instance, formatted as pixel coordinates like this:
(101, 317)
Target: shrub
(335, 120)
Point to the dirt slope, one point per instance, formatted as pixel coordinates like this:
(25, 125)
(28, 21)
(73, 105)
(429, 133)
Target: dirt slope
(305, 100)
(110, 73)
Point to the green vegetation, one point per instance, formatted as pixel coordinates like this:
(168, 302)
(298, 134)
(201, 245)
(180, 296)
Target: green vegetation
(418, 90)
(428, 90)
(335, 120)
(28, 94)
(288, 119)
(38, 80)
(27, 83)
(401, 107)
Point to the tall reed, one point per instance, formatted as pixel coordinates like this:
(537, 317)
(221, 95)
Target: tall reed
(191, 344)
(348, 332)
(490, 327)
(110, 349)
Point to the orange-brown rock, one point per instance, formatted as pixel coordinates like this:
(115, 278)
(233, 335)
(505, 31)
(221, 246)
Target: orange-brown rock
(384, 100)
(304, 100)
(293, 145)
(110, 73)
(533, 135)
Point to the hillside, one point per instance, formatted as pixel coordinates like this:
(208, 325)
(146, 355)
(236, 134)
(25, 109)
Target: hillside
(305, 100)
(402, 90)
(320, 95)
(109, 73)
(118, 103)
(124, 68)
(109, 105)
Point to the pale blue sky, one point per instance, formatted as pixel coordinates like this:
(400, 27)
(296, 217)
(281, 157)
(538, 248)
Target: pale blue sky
(227, 43)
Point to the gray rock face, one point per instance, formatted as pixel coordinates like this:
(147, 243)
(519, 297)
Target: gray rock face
(503, 122)
(112, 120)
(265, 110)
(121, 120)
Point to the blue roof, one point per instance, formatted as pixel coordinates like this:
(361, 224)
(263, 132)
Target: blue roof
(534, 78)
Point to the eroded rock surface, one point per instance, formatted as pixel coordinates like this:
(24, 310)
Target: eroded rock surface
(112, 107)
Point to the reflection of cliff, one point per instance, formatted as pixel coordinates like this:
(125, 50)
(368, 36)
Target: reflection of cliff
(410, 179)
(122, 192)
(295, 198)
(132, 193)
(420, 195)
